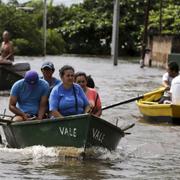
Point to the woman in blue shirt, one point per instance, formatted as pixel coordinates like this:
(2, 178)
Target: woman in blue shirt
(67, 98)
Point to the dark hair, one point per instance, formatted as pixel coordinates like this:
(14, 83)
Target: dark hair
(90, 82)
(173, 66)
(64, 68)
(80, 74)
(48, 65)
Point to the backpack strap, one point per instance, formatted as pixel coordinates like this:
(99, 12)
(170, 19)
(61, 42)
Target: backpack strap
(94, 108)
(75, 96)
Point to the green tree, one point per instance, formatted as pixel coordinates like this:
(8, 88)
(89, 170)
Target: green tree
(89, 27)
(55, 43)
(13, 2)
(170, 18)
(85, 28)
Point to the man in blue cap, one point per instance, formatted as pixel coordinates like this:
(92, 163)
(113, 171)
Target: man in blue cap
(47, 70)
(29, 97)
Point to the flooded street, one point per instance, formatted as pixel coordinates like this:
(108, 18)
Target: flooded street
(151, 151)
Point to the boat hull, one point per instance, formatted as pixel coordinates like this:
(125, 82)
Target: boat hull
(162, 119)
(9, 74)
(155, 112)
(82, 131)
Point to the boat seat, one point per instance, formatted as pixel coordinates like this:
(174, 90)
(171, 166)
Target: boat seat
(149, 103)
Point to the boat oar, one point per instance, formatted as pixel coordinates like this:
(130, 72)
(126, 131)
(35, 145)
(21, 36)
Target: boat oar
(127, 127)
(123, 102)
(135, 98)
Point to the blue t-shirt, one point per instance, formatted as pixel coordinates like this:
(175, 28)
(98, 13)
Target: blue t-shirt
(63, 100)
(28, 97)
(53, 82)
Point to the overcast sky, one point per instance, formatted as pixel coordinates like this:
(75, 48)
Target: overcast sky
(65, 2)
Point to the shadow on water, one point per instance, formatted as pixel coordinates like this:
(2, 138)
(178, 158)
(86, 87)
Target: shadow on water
(160, 122)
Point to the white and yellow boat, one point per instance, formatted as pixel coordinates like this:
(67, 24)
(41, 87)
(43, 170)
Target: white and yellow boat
(152, 110)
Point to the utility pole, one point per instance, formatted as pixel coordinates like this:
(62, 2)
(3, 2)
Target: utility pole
(115, 33)
(146, 22)
(160, 17)
(44, 27)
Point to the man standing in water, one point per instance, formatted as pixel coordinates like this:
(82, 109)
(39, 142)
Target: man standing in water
(7, 52)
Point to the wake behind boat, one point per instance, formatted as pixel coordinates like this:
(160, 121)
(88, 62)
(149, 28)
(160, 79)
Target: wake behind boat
(152, 110)
(78, 131)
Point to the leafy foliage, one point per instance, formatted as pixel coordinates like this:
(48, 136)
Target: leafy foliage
(55, 43)
(170, 19)
(86, 28)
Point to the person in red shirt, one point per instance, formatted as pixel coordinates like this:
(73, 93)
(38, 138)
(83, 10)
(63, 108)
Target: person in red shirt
(91, 93)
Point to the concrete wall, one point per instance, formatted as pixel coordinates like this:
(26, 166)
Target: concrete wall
(160, 49)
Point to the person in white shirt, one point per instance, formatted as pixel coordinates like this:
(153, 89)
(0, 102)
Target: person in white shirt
(172, 72)
(175, 90)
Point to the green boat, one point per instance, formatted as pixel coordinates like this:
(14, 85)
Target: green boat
(9, 74)
(78, 131)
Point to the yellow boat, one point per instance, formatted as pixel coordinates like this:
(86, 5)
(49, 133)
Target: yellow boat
(152, 110)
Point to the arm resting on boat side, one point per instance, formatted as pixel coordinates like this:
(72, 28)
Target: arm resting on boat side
(95, 104)
(56, 114)
(14, 109)
(87, 109)
(165, 84)
(97, 110)
(42, 107)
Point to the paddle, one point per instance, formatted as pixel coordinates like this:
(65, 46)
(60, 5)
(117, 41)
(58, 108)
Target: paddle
(123, 102)
(135, 98)
(127, 127)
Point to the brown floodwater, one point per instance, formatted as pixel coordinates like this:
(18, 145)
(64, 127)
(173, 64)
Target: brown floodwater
(151, 151)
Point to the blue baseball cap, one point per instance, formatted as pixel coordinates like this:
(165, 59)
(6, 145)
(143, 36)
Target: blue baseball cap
(49, 65)
(31, 77)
